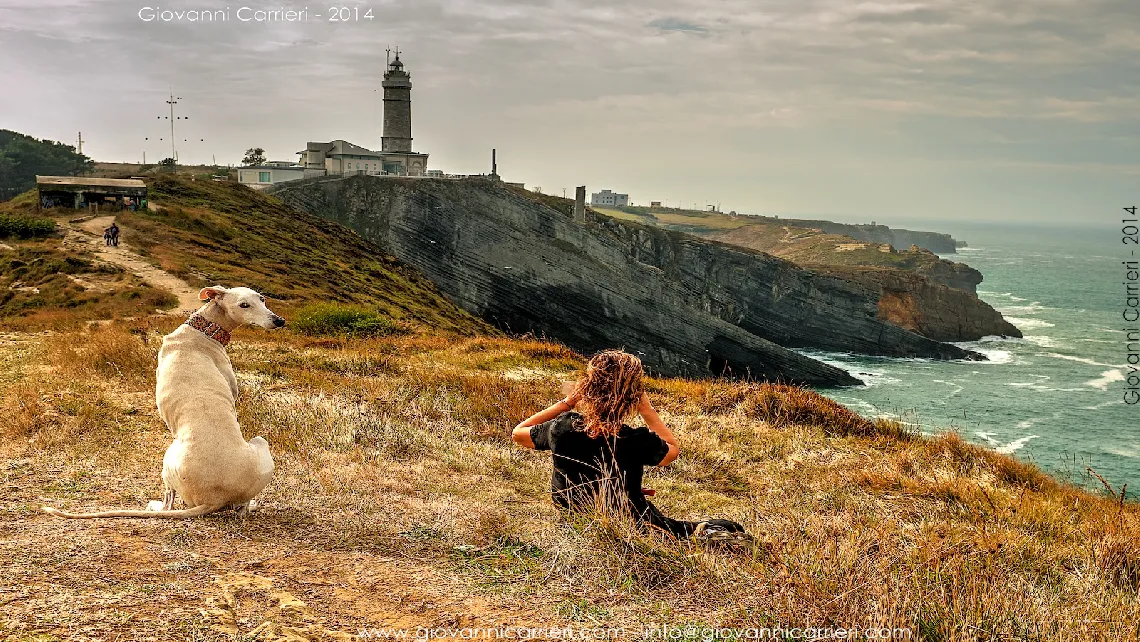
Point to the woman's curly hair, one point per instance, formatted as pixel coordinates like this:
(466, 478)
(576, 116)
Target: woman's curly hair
(610, 391)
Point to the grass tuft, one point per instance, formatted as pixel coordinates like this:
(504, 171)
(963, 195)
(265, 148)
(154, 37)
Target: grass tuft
(106, 351)
(25, 227)
(1118, 557)
(339, 320)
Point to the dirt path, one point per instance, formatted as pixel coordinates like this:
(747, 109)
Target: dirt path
(89, 235)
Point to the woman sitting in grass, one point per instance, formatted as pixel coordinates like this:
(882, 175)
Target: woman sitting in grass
(598, 460)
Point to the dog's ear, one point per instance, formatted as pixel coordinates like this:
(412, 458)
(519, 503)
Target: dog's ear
(215, 292)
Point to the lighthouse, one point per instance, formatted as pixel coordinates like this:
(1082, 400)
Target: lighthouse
(395, 157)
(397, 108)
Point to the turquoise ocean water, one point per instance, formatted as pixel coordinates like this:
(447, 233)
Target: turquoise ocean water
(1054, 397)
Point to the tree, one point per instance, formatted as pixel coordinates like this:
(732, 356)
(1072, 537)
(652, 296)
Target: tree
(254, 156)
(23, 157)
(167, 162)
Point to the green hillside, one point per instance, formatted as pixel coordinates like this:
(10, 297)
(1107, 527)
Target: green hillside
(224, 233)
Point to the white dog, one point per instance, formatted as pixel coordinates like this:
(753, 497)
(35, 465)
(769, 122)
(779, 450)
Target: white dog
(209, 464)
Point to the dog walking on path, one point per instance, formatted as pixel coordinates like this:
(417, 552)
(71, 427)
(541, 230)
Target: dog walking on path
(210, 465)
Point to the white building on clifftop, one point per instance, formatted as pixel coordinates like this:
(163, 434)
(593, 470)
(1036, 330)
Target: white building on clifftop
(606, 197)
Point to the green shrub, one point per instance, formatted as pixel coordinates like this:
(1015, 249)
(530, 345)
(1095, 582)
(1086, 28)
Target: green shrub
(25, 227)
(333, 319)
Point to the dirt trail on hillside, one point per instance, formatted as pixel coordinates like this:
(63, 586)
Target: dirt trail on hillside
(88, 234)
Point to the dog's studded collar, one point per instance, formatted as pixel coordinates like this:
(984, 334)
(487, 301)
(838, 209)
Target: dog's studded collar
(209, 328)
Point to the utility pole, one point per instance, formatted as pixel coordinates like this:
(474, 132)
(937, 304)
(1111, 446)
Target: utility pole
(79, 148)
(172, 102)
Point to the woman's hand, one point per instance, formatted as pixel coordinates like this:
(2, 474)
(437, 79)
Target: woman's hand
(570, 393)
(521, 433)
(644, 405)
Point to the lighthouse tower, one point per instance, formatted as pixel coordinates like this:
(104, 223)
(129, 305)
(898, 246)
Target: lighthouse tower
(397, 108)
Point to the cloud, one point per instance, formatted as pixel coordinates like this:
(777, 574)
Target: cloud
(610, 89)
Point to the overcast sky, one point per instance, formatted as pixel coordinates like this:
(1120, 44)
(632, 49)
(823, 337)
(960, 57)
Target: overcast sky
(895, 111)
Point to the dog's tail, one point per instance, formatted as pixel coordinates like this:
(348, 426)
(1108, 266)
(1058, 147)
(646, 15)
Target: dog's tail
(197, 511)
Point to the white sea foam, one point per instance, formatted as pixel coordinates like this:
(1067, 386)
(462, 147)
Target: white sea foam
(1028, 308)
(1024, 324)
(1131, 451)
(1114, 402)
(989, 438)
(1083, 360)
(1041, 388)
(957, 388)
(876, 379)
(1041, 340)
(858, 405)
(1011, 447)
(1107, 377)
(1015, 445)
(995, 356)
(989, 338)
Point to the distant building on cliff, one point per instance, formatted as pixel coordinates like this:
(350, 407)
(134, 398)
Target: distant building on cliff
(606, 197)
(260, 176)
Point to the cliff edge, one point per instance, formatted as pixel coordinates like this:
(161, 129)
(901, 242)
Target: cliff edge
(688, 306)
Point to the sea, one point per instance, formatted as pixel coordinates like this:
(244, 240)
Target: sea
(1054, 397)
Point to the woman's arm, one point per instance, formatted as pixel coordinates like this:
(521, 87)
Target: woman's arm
(653, 421)
(521, 433)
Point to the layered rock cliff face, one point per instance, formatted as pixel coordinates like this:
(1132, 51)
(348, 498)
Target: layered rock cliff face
(689, 306)
(914, 288)
(931, 309)
(953, 275)
(933, 241)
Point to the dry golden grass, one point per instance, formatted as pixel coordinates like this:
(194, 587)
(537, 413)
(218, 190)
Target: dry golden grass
(400, 499)
(106, 351)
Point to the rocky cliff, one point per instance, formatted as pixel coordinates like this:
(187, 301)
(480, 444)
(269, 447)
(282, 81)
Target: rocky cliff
(919, 304)
(953, 275)
(689, 306)
(933, 241)
(915, 288)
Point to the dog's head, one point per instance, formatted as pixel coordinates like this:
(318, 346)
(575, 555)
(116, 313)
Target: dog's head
(243, 305)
